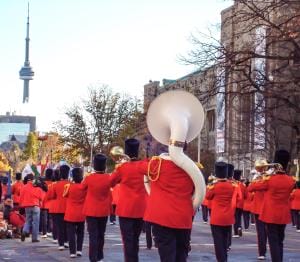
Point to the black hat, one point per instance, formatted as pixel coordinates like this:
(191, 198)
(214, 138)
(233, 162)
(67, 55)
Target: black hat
(230, 169)
(237, 174)
(49, 174)
(221, 169)
(132, 147)
(56, 176)
(77, 174)
(64, 171)
(18, 176)
(282, 157)
(99, 162)
(29, 177)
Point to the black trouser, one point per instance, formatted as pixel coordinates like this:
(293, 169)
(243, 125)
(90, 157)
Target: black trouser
(173, 243)
(261, 236)
(229, 239)
(252, 218)
(44, 221)
(53, 226)
(221, 235)
(297, 219)
(131, 229)
(148, 231)
(294, 217)
(112, 217)
(246, 218)
(238, 220)
(204, 213)
(61, 228)
(275, 233)
(96, 229)
(75, 236)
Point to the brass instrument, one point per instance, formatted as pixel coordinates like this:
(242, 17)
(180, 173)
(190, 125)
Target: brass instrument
(117, 154)
(267, 169)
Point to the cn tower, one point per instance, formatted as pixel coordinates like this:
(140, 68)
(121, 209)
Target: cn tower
(26, 73)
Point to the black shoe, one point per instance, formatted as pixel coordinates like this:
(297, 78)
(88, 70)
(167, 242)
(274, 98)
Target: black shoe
(35, 241)
(240, 232)
(23, 236)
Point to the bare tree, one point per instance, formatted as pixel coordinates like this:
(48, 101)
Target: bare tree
(256, 66)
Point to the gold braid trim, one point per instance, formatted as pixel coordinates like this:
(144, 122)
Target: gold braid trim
(153, 174)
(66, 190)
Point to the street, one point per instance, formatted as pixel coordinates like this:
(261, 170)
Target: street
(243, 249)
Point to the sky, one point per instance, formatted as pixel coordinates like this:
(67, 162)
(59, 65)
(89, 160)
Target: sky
(75, 44)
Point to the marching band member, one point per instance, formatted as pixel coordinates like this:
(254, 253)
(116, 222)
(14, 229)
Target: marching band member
(247, 206)
(237, 227)
(295, 206)
(132, 200)
(115, 199)
(258, 198)
(59, 205)
(97, 206)
(230, 170)
(222, 213)
(49, 204)
(175, 184)
(45, 221)
(275, 211)
(75, 194)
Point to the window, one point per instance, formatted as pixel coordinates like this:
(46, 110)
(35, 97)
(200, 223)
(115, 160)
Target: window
(211, 120)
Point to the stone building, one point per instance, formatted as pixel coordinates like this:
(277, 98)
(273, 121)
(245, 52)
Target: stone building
(251, 95)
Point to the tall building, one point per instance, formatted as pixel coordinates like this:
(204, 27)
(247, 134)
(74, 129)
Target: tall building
(17, 126)
(26, 73)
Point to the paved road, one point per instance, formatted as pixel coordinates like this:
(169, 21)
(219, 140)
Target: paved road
(243, 249)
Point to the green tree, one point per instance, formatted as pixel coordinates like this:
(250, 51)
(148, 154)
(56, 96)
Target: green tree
(31, 148)
(99, 121)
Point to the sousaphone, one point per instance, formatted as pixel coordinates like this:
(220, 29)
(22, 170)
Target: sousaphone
(175, 118)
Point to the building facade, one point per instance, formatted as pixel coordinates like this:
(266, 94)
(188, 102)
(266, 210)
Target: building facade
(251, 95)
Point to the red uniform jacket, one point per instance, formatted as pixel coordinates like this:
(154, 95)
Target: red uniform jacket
(248, 200)
(295, 198)
(56, 193)
(132, 193)
(75, 195)
(222, 209)
(98, 195)
(31, 196)
(258, 198)
(275, 207)
(170, 200)
(44, 204)
(115, 194)
(15, 189)
(242, 195)
(49, 203)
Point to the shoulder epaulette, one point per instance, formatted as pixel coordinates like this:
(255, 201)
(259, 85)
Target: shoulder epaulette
(234, 184)
(66, 189)
(266, 177)
(295, 178)
(119, 165)
(210, 187)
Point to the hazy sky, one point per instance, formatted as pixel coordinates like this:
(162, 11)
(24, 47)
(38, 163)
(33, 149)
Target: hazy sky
(78, 43)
